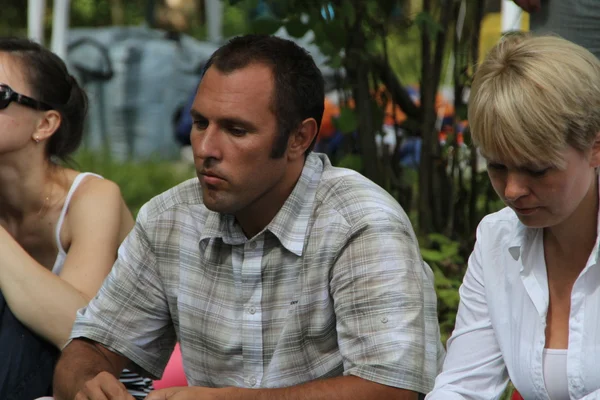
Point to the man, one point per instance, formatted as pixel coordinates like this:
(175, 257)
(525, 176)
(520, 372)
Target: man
(574, 20)
(280, 275)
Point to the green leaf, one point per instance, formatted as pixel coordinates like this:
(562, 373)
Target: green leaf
(336, 33)
(351, 161)
(347, 122)
(348, 12)
(335, 61)
(373, 46)
(328, 48)
(438, 237)
(431, 256)
(296, 28)
(318, 28)
(266, 25)
(426, 23)
(449, 297)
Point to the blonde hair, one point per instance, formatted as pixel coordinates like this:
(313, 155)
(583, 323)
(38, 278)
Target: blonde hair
(532, 97)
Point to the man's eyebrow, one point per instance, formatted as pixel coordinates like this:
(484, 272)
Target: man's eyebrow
(196, 115)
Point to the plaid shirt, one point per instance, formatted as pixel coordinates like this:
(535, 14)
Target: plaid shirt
(334, 285)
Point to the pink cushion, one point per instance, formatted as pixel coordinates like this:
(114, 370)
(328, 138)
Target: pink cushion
(173, 375)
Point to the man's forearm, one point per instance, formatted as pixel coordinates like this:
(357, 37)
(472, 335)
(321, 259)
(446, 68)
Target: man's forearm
(341, 388)
(79, 362)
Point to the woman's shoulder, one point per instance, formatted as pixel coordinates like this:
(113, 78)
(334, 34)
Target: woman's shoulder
(91, 194)
(91, 187)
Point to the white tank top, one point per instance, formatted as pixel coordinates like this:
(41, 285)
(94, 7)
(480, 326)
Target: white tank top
(555, 373)
(136, 385)
(62, 254)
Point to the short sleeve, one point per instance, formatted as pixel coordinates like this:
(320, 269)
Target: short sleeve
(130, 314)
(387, 331)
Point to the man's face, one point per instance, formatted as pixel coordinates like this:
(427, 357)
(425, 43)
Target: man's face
(232, 138)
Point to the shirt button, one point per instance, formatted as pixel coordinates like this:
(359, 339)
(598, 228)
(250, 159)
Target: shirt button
(252, 310)
(384, 320)
(252, 381)
(252, 245)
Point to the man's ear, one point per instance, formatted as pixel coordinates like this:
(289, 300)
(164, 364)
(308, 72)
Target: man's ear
(301, 139)
(47, 125)
(595, 156)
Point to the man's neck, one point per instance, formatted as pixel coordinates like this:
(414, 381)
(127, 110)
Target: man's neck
(254, 218)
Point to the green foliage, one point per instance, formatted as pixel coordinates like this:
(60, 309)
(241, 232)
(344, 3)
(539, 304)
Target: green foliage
(351, 161)
(235, 21)
(295, 27)
(347, 122)
(265, 25)
(426, 23)
(445, 259)
(139, 181)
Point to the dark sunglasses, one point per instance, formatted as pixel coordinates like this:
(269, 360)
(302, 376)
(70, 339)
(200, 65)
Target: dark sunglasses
(7, 95)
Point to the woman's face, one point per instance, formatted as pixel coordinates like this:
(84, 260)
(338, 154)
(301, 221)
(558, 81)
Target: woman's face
(17, 122)
(545, 197)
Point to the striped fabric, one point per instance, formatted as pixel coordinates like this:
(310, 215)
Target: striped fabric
(334, 285)
(136, 385)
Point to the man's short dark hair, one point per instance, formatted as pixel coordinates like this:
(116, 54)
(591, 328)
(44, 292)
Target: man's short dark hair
(299, 86)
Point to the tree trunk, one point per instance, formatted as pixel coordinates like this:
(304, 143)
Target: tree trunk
(430, 178)
(473, 218)
(358, 74)
(117, 13)
(426, 164)
(366, 128)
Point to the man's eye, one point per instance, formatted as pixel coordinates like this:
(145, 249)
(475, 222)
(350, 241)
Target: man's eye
(200, 124)
(237, 131)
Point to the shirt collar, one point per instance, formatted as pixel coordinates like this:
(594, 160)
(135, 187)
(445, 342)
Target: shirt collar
(222, 226)
(290, 223)
(518, 241)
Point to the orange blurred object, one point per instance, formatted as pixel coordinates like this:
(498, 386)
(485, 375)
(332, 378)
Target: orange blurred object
(331, 111)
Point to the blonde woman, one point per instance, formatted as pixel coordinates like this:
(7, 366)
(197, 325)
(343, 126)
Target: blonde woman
(59, 229)
(530, 300)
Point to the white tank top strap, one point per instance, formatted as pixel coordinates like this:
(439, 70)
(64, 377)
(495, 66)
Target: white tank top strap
(62, 254)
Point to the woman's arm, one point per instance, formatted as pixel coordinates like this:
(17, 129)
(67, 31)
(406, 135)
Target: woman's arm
(474, 367)
(98, 221)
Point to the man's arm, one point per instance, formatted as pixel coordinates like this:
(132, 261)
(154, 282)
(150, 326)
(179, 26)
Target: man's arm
(340, 388)
(85, 366)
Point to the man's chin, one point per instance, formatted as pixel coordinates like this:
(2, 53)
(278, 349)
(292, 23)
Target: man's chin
(218, 207)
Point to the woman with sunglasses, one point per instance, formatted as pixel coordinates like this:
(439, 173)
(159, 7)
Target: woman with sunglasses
(59, 228)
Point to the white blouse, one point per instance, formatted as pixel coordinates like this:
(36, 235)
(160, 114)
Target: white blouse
(501, 320)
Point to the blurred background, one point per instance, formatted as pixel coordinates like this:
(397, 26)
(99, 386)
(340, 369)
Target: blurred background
(397, 74)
